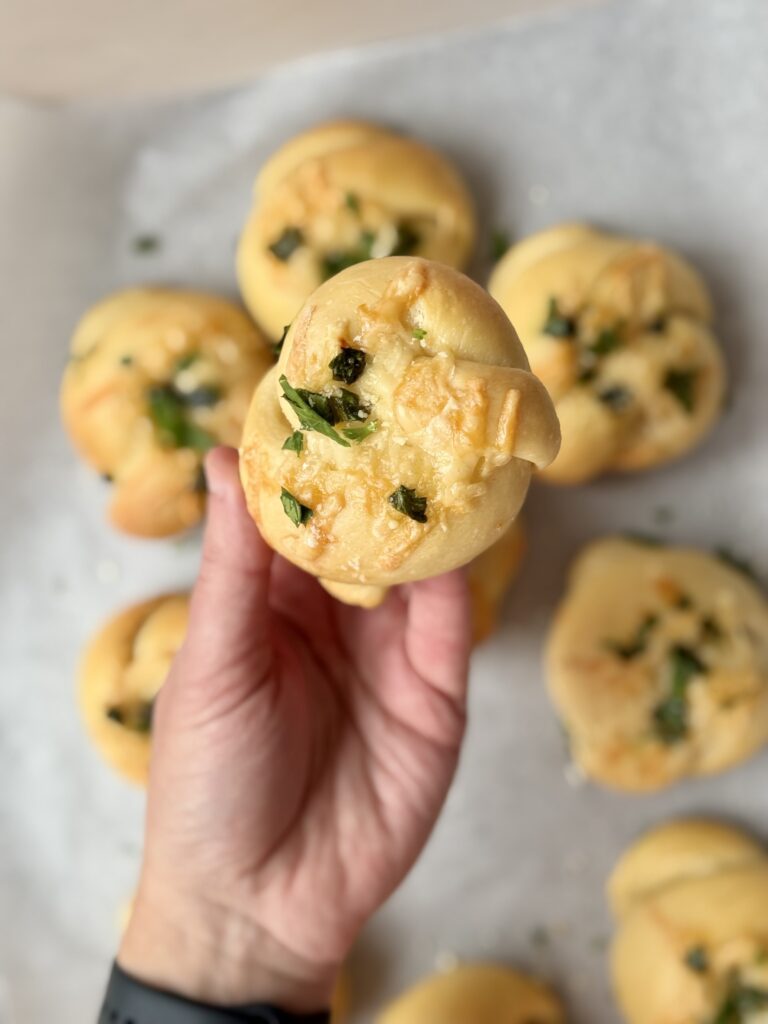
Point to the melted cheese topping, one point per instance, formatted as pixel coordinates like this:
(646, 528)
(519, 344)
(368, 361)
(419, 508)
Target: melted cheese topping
(619, 333)
(135, 344)
(658, 662)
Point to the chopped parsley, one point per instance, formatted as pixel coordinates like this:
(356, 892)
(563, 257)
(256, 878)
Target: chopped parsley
(169, 411)
(298, 514)
(126, 360)
(697, 959)
(294, 443)
(145, 244)
(360, 433)
(406, 240)
(557, 324)
(499, 245)
(312, 409)
(418, 334)
(607, 340)
(134, 715)
(333, 263)
(346, 406)
(286, 245)
(184, 362)
(737, 562)
(352, 203)
(277, 348)
(348, 365)
(615, 397)
(107, 478)
(202, 396)
(682, 384)
(670, 716)
(710, 629)
(639, 641)
(741, 1002)
(408, 502)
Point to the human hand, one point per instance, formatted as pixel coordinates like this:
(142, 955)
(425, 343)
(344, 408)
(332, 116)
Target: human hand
(302, 750)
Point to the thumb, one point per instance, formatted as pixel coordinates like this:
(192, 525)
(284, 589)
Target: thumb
(229, 611)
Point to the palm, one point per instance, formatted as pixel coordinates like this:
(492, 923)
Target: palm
(320, 767)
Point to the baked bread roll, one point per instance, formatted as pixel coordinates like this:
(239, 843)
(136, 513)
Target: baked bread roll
(476, 994)
(396, 437)
(122, 670)
(490, 575)
(156, 377)
(338, 194)
(657, 661)
(619, 332)
(691, 901)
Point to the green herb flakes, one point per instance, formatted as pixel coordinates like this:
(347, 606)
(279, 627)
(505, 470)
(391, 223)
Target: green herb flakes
(168, 410)
(616, 397)
(298, 514)
(352, 203)
(201, 397)
(607, 341)
(697, 959)
(107, 478)
(294, 443)
(287, 244)
(134, 715)
(145, 244)
(184, 362)
(741, 1003)
(638, 643)
(406, 501)
(710, 629)
(682, 384)
(670, 716)
(557, 324)
(126, 360)
(360, 433)
(499, 245)
(313, 411)
(418, 334)
(346, 406)
(334, 262)
(348, 365)
(406, 241)
(658, 325)
(277, 348)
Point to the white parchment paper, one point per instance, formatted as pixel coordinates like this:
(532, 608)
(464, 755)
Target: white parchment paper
(648, 117)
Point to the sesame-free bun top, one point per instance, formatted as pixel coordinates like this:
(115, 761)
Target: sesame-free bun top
(122, 670)
(476, 994)
(657, 662)
(449, 427)
(340, 193)
(619, 330)
(156, 377)
(691, 902)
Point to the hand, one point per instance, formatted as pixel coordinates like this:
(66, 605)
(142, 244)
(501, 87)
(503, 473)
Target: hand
(302, 750)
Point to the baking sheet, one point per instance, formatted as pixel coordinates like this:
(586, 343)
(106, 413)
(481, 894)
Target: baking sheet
(646, 116)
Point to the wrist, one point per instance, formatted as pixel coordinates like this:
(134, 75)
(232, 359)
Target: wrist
(215, 955)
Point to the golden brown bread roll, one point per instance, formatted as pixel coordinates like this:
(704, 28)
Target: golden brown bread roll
(338, 194)
(619, 332)
(122, 670)
(490, 575)
(396, 437)
(691, 946)
(156, 377)
(657, 661)
(476, 994)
